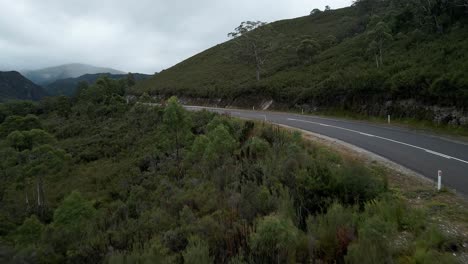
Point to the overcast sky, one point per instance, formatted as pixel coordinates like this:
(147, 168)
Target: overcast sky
(138, 36)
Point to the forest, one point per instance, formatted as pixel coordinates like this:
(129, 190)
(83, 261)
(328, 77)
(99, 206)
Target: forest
(98, 179)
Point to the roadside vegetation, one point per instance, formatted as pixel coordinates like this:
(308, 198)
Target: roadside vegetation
(404, 58)
(94, 179)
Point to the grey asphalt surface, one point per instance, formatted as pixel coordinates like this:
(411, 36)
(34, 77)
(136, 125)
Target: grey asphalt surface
(417, 151)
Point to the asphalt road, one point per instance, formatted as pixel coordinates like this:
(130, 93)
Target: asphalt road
(419, 152)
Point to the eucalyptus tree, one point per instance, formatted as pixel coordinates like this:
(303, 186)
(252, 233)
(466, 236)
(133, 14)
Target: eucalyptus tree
(254, 42)
(379, 36)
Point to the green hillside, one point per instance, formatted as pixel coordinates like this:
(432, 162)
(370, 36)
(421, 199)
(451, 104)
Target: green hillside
(424, 58)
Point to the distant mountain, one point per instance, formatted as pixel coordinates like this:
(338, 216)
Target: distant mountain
(13, 86)
(68, 86)
(74, 70)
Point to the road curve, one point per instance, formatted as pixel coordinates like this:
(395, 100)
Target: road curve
(419, 152)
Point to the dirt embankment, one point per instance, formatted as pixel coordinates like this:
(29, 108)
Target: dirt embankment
(397, 109)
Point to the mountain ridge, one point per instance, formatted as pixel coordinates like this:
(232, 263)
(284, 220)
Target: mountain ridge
(69, 86)
(14, 86)
(48, 75)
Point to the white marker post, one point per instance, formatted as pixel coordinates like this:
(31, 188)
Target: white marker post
(439, 180)
(388, 119)
(253, 108)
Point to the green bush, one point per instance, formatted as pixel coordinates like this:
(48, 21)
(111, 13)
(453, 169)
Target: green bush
(331, 233)
(275, 240)
(197, 252)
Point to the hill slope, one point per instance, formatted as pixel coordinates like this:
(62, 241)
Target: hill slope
(68, 86)
(49, 75)
(15, 86)
(423, 63)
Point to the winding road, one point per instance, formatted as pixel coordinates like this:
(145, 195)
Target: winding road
(422, 153)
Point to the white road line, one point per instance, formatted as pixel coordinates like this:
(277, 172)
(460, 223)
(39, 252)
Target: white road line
(383, 138)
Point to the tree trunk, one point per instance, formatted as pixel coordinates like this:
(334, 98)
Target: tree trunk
(381, 56)
(40, 196)
(28, 207)
(177, 145)
(257, 61)
(258, 73)
(439, 29)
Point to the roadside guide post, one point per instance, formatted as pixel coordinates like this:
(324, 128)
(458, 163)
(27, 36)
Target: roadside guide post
(439, 180)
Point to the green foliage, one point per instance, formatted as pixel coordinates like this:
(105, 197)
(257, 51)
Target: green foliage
(197, 252)
(29, 233)
(19, 123)
(29, 139)
(379, 35)
(356, 185)
(256, 148)
(307, 49)
(274, 240)
(71, 229)
(253, 48)
(177, 123)
(238, 192)
(155, 253)
(370, 244)
(73, 211)
(19, 108)
(331, 234)
(220, 147)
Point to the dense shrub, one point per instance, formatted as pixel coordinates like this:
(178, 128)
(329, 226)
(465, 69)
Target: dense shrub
(123, 190)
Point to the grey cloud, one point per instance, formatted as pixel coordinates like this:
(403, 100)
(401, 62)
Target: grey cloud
(139, 36)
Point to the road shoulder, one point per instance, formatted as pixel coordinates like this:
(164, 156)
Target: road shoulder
(447, 209)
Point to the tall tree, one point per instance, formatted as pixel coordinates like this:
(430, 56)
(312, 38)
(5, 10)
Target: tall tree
(37, 159)
(315, 11)
(42, 161)
(367, 6)
(177, 123)
(130, 79)
(253, 47)
(307, 49)
(380, 35)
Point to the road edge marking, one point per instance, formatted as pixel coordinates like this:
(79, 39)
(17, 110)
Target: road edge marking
(383, 138)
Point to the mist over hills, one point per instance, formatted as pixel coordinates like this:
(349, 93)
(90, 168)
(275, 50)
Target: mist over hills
(69, 86)
(53, 81)
(49, 75)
